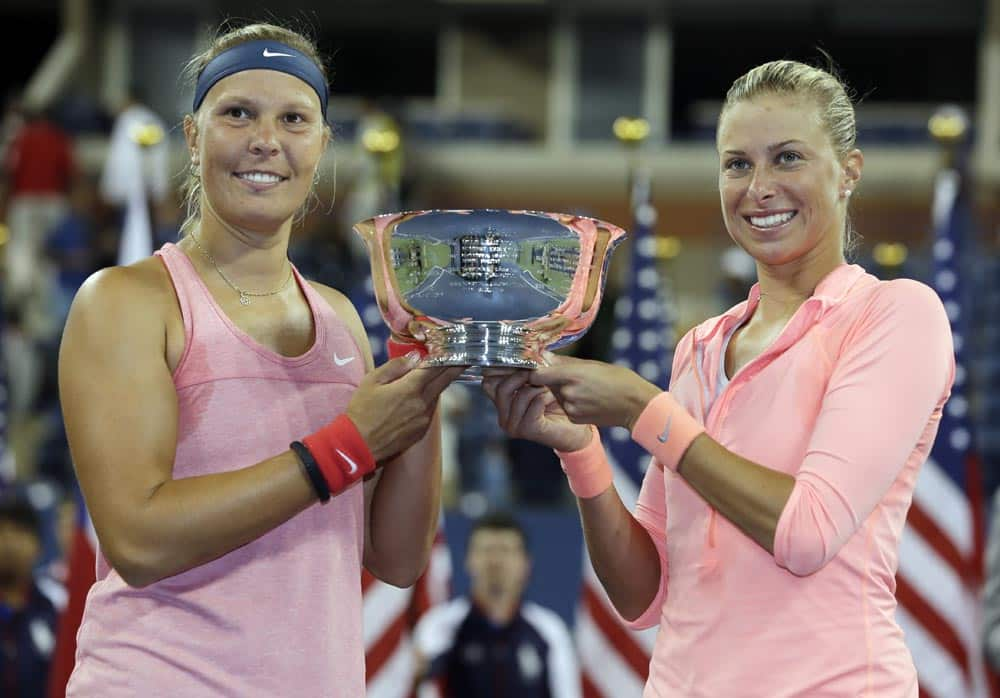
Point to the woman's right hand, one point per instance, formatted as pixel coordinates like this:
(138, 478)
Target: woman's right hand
(531, 412)
(394, 404)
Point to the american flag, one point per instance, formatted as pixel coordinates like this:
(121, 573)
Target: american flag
(615, 660)
(940, 556)
(391, 613)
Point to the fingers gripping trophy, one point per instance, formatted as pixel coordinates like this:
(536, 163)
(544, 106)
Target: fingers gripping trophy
(488, 288)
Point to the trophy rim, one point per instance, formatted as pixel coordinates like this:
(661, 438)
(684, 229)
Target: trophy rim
(399, 315)
(554, 215)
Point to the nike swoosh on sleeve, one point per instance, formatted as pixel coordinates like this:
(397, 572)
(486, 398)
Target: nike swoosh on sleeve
(662, 438)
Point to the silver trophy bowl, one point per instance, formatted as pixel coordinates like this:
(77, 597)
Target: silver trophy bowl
(488, 288)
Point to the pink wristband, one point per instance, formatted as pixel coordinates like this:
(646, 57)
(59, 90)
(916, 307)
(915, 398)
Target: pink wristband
(587, 470)
(666, 430)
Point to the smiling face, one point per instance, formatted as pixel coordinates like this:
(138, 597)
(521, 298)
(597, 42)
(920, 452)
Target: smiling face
(782, 186)
(257, 138)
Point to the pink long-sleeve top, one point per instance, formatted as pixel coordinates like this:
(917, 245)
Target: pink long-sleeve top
(847, 400)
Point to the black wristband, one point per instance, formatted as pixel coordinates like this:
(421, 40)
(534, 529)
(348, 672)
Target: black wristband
(312, 470)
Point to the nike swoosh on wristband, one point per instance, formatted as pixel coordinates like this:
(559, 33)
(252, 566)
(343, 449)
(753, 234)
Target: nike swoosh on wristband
(354, 466)
(342, 362)
(272, 54)
(662, 438)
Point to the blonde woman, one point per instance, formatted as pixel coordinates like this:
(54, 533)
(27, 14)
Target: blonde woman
(784, 455)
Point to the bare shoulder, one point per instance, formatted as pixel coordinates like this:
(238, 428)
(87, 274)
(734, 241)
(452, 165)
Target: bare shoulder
(345, 310)
(143, 284)
(117, 302)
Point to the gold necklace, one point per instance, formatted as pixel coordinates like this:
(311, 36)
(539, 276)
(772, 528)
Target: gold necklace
(244, 294)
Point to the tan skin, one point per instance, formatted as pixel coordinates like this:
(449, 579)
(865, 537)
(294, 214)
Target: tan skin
(125, 336)
(775, 158)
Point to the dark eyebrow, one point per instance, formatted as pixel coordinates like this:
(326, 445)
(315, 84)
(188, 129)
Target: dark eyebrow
(773, 147)
(293, 103)
(238, 99)
(779, 146)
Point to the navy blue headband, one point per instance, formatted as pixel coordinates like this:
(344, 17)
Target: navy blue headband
(261, 55)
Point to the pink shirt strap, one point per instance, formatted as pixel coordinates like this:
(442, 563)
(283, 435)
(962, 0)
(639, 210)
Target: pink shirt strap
(666, 430)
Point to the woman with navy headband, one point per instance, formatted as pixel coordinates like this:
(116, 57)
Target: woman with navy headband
(240, 457)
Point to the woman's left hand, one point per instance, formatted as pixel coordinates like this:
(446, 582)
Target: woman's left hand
(593, 392)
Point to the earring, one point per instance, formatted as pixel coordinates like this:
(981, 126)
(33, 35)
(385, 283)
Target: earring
(847, 193)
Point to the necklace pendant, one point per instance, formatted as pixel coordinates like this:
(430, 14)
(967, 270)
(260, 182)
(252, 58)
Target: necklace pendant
(244, 299)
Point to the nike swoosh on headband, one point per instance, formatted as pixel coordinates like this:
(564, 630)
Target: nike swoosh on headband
(253, 55)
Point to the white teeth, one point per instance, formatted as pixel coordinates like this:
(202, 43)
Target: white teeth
(260, 177)
(773, 220)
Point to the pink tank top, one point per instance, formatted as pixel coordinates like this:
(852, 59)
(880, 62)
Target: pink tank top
(280, 616)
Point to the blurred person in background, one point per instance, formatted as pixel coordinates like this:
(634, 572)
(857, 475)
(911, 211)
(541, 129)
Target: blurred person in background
(29, 602)
(38, 173)
(214, 399)
(765, 540)
(494, 644)
(71, 245)
(10, 124)
(64, 526)
(136, 171)
(72, 252)
(24, 368)
(168, 218)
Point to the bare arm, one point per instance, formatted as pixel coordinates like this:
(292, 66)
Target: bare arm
(403, 502)
(622, 553)
(403, 511)
(749, 495)
(621, 550)
(891, 375)
(120, 409)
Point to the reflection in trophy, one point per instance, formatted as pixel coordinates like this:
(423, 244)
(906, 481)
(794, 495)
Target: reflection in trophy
(488, 287)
